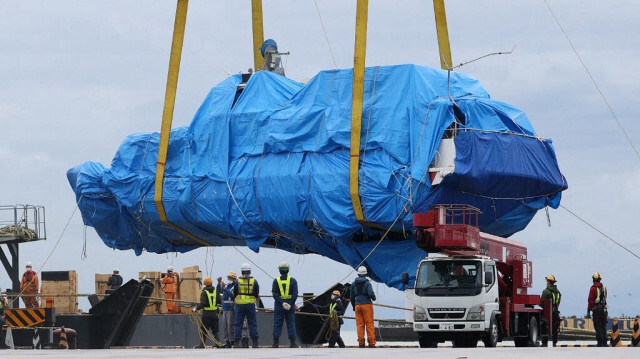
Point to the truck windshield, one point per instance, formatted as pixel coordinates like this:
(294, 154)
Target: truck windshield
(449, 278)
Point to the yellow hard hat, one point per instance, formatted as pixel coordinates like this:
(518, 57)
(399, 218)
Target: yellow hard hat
(550, 277)
(336, 292)
(208, 281)
(596, 275)
(232, 274)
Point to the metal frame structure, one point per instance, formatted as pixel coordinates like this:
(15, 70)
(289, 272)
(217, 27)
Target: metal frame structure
(15, 222)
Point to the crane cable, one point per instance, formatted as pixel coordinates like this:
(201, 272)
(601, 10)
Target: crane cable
(599, 231)
(624, 131)
(326, 36)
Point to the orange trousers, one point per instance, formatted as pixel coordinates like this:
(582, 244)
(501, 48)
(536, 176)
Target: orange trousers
(170, 304)
(364, 318)
(30, 302)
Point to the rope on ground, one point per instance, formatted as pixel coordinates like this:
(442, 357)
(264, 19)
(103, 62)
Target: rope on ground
(197, 320)
(593, 80)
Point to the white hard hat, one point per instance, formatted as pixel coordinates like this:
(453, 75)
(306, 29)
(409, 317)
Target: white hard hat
(116, 269)
(170, 269)
(362, 270)
(245, 267)
(28, 264)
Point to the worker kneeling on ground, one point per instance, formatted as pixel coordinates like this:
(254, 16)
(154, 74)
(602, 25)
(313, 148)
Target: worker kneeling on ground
(597, 303)
(29, 285)
(336, 311)
(552, 294)
(362, 296)
(209, 302)
(285, 294)
(247, 293)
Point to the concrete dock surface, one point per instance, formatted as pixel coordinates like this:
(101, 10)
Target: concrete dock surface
(351, 353)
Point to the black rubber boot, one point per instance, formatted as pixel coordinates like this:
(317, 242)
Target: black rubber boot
(276, 342)
(293, 343)
(254, 343)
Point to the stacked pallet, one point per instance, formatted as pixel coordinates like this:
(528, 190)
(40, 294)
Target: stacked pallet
(154, 306)
(101, 283)
(190, 286)
(63, 283)
(189, 289)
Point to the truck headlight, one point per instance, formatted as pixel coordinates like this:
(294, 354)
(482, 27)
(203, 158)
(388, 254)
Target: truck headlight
(476, 313)
(419, 314)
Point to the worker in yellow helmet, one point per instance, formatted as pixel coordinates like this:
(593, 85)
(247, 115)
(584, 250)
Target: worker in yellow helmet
(597, 303)
(552, 295)
(285, 294)
(210, 300)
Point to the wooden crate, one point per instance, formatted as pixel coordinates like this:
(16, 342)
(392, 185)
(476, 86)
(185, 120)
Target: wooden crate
(154, 306)
(190, 287)
(61, 283)
(101, 283)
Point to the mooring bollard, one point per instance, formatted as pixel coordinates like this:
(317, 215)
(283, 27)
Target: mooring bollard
(635, 334)
(62, 344)
(615, 334)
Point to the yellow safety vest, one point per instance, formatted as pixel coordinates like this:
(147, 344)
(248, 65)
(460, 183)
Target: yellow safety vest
(245, 291)
(332, 307)
(602, 290)
(213, 298)
(284, 293)
(555, 297)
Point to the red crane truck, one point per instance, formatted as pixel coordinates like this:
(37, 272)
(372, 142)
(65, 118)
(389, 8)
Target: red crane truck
(478, 291)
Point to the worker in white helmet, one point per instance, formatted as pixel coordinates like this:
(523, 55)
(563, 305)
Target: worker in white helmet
(30, 286)
(285, 294)
(171, 285)
(115, 281)
(247, 294)
(362, 297)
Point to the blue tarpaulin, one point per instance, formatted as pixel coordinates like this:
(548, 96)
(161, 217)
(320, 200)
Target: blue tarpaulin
(270, 167)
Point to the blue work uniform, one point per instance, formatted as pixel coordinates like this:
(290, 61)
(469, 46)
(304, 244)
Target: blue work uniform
(284, 290)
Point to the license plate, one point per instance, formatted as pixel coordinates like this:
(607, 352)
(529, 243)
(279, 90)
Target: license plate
(446, 326)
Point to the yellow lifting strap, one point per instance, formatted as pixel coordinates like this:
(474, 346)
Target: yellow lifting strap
(362, 9)
(167, 115)
(443, 35)
(258, 34)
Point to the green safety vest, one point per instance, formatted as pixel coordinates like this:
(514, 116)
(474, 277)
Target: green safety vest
(332, 307)
(213, 298)
(245, 291)
(601, 295)
(285, 286)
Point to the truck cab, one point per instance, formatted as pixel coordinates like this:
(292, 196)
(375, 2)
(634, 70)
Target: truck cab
(456, 298)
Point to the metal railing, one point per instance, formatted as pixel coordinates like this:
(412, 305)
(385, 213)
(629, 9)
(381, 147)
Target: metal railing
(22, 222)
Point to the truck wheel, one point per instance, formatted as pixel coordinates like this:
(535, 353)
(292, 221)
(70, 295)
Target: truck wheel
(491, 339)
(533, 340)
(427, 341)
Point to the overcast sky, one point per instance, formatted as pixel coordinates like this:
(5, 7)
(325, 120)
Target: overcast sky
(76, 77)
